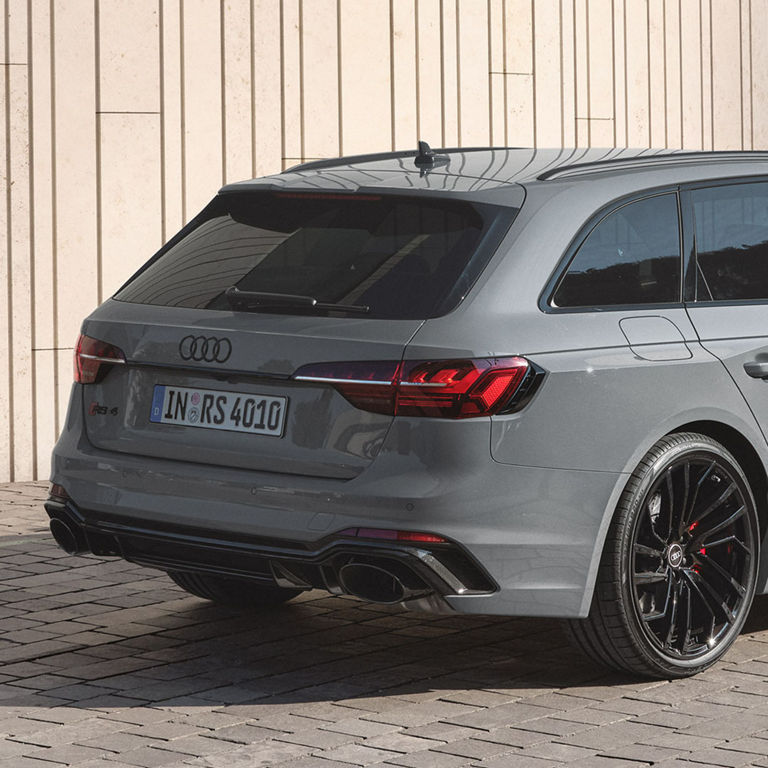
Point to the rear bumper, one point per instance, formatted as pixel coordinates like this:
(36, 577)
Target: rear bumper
(429, 572)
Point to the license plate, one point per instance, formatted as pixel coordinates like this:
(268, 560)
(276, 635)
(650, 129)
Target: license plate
(214, 409)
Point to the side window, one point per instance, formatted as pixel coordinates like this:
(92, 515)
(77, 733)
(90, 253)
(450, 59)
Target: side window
(731, 242)
(631, 257)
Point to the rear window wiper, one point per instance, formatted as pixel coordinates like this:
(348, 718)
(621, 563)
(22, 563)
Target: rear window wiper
(259, 301)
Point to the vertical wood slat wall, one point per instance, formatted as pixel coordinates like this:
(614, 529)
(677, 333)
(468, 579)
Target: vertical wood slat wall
(120, 119)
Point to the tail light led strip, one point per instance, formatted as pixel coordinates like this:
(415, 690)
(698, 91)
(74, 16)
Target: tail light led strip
(455, 389)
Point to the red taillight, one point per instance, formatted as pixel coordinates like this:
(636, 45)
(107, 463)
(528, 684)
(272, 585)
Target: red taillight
(91, 355)
(390, 535)
(450, 389)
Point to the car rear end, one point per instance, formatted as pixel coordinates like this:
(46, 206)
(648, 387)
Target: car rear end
(246, 406)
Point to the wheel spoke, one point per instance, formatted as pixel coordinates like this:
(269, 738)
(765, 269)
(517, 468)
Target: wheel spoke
(651, 577)
(740, 589)
(719, 602)
(728, 540)
(684, 637)
(673, 616)
(716, 504)
(704, 601)
(701, 539)
(686, 519)
(660, 614)
(641, 549)
(686, 494)
(673, 518)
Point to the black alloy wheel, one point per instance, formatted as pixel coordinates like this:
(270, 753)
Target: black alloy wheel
(679, 566)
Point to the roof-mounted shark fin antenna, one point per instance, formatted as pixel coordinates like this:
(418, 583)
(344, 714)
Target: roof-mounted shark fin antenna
(426, 155)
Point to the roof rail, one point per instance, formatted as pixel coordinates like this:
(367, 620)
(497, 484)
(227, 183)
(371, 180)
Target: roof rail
(673, 157)
(314, 165)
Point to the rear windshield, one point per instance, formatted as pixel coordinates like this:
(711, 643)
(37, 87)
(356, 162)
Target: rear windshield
(376, 256)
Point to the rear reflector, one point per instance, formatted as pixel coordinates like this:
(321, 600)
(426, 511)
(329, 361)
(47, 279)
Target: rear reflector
(449, 389)
(58, 491)
(386, 533)
(92, 357)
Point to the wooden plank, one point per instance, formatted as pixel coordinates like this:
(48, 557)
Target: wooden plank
(565, 41)
(202, 150)
(404, 102)
(77, 268)
(366, 116)
(600, 30)
(6, 375)
(21, 275)
(428, 78)
(63, 377)
(238, 131)
(638, 97)
(746, 75)
(690, 68)
(266, 81)
(15, 50)
(131, 227)
(449, 73)
(292, 119)
(549, 77)
(172, 122)
(519, 32)
(129, 64)
(706, 66)
(320, 79)
(520, 109)
(472, 77)
(657, 114)
(45, 396)
(581, 64)
(672, 85)
(620, 138)
(42, 173)
(496, 67)
(726, 78)
(760, 74)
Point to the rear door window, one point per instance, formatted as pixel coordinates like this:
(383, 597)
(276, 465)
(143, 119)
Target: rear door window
(379, 256)
(631, 257)
(731, 242)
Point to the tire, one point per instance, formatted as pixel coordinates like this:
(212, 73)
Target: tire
(678, 569)
(237, 593)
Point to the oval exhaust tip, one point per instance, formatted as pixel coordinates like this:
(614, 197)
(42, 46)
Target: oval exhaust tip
(66, 537)
(371, 583)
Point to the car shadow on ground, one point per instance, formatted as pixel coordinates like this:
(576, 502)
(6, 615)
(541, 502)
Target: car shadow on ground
(107, 634)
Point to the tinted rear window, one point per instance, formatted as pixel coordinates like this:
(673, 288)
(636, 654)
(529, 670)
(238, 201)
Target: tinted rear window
(631, 257)
(401, 257)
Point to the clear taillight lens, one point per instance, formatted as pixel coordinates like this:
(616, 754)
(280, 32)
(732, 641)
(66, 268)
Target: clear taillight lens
(449, 389)
(92, 357)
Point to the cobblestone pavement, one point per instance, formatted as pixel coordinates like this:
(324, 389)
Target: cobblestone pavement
(104, 664)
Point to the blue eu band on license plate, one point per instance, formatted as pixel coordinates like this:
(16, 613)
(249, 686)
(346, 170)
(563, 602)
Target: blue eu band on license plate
(217, 409)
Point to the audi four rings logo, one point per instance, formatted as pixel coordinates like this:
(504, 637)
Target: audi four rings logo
(205, 349)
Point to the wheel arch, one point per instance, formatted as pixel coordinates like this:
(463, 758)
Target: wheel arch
(743, 450)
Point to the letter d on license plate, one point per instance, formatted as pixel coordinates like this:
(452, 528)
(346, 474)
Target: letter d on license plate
(215, 409)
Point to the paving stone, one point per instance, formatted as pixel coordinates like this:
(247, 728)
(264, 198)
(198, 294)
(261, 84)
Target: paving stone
(428, 759)
(518, 761)
(359, 754)
(474, 748)
(722, 756)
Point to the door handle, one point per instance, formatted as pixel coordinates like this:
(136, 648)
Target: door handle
(757, 369)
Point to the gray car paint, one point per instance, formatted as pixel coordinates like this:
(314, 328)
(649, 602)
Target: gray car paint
(531, 494)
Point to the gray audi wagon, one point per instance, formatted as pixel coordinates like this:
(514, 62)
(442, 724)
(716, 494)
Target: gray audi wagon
(495, 381)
